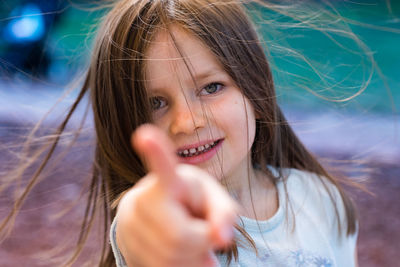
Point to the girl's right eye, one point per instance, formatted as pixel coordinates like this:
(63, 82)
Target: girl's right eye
(157, 103)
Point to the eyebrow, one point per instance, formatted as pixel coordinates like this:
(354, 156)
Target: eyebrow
(208, 73)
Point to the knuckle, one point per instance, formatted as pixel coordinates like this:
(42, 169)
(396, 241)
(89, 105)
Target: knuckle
(140, 203)
(144, 198)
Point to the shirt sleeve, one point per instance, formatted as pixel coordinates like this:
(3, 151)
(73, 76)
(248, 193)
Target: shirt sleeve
(119, 259)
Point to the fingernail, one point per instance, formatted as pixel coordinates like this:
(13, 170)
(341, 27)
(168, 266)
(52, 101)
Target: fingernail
(227, 234)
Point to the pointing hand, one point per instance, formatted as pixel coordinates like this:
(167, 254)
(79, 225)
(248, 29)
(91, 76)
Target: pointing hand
(177, 214)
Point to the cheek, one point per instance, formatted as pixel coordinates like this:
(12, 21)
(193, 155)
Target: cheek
(247, 125)
(235, 116)
(162, 122)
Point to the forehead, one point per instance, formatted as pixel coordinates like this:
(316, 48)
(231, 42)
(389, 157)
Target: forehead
(165, 61)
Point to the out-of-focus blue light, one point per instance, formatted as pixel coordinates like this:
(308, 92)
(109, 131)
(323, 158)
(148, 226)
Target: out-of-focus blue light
(28, 27)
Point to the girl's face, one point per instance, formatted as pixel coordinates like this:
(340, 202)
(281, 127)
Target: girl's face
(210, 122)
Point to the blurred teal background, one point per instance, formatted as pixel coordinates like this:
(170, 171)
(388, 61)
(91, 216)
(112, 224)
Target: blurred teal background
(335, 66)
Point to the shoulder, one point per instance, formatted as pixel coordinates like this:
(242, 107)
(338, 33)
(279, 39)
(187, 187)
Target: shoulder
(314, 207)
(311, 186)
(314, 196)
(317, 197)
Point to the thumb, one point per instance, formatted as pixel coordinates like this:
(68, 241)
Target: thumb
(157, 153)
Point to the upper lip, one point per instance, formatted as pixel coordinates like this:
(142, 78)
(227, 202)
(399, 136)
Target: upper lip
(196, 145)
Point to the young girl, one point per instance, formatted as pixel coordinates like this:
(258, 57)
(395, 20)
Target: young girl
(195, 162)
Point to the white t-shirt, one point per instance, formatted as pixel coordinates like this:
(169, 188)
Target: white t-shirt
(311, 239)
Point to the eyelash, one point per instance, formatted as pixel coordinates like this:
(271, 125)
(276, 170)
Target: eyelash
(210, 84)
(157, 98)
(162, 99)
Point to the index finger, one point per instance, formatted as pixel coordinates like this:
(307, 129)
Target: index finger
(157, 152)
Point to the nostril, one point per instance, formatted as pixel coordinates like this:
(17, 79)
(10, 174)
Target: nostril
(187, 118)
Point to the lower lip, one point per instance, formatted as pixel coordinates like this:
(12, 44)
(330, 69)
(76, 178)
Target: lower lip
(203, 157)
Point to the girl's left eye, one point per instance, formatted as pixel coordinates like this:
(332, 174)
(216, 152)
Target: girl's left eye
(211, 88)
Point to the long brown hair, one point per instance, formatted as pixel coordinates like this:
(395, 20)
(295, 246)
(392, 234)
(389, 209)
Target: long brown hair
(115, 84)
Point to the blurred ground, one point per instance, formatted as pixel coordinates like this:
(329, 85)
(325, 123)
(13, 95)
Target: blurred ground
(38, 232)
(379, 240)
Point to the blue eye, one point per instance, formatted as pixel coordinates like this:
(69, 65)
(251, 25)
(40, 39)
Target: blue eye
(157, 103)
(211, 88)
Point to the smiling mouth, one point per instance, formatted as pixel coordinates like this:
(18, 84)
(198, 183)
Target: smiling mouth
(195, 151)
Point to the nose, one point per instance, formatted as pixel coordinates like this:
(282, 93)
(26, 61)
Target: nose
(187, 117)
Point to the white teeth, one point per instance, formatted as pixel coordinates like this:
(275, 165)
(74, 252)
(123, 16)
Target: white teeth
(196, 150)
